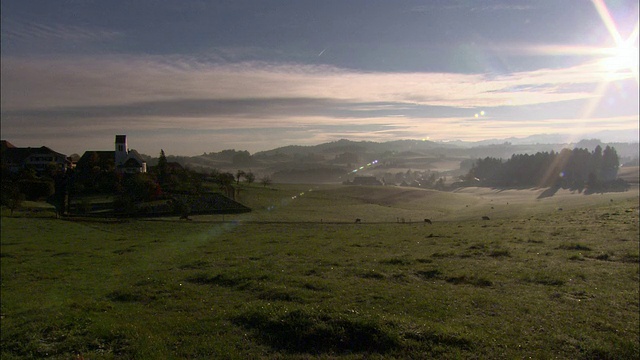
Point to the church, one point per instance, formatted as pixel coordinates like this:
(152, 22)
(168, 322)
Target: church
(122, 160)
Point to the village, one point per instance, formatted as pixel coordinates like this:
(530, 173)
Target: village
(113, 183)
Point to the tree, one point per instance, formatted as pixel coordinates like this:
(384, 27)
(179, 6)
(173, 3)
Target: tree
(240, 174)
(249, 177)
(225, 181)
(265, 181)
(163, 169)
(610, 164)
(15, 199)
(59, 197)
(181, 207)
(241, 158)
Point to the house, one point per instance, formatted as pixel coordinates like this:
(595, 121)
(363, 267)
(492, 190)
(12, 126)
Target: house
(104, 160)
(122, 159)
(40, 159)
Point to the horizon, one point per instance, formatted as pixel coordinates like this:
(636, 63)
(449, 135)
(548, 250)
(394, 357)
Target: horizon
(519, 142)
(198, 77)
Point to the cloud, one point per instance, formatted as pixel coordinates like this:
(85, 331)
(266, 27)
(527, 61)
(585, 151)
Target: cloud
(167, 97)
(458, 6)
(121, 80)
(32, 31)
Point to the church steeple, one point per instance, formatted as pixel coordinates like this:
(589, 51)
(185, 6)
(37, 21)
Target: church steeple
(121, 149)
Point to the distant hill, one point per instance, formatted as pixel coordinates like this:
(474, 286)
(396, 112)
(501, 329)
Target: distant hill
(335, 161)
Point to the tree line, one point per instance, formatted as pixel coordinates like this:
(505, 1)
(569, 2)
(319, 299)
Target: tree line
(575, 169)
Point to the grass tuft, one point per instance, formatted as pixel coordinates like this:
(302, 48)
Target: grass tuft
(574, 246)
(300, 332)
(396, 261)
(469, 280)
(219, 280)
(372, 275)
(278, 295)
(126, 296)
(431, 339)
(543, 278)
(499, 253)
(194, 265)
(428, 274)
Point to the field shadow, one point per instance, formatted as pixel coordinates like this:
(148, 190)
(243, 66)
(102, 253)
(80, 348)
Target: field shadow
(549, 192)
(299, 332)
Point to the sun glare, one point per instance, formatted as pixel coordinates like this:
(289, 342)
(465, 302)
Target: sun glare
(622, 61)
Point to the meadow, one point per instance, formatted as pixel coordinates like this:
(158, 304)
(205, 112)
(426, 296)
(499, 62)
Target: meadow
(546, 277)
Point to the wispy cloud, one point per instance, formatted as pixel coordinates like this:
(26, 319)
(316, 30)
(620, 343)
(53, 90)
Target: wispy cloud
(486, 7)
(110, 80)
(104, 95)
(25, 31)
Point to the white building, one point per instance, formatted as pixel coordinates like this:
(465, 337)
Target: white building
(128, 161)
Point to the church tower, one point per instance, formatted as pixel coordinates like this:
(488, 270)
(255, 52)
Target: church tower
(121, 149)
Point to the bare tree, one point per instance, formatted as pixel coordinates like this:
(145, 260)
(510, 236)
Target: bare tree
(265, 181)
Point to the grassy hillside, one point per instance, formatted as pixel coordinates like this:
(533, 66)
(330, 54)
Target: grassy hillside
(533, 281)
(338, 203)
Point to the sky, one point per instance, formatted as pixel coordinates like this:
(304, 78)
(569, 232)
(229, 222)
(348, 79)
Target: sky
(193, 76)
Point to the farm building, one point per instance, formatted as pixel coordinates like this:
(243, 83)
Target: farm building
(39, 159)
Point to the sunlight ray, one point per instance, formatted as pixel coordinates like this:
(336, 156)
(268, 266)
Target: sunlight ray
(603, 11)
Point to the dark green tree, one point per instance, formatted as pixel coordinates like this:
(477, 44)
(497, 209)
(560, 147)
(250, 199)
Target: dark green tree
(610, 164)
(249, 177)
(239, 175)
(225, 181)
(162, 169)
(241, 158)
(15, 201)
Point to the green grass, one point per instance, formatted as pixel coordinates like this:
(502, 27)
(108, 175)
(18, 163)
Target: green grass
(279, 283)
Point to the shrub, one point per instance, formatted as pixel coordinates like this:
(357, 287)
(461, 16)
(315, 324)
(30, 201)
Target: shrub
(36, 189)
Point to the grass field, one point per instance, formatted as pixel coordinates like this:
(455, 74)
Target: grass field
(297, 279)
